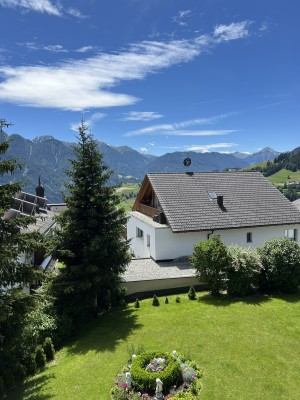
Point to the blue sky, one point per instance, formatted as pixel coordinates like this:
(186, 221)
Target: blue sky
(156, 75)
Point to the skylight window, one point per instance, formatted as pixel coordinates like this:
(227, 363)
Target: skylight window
(212, 195)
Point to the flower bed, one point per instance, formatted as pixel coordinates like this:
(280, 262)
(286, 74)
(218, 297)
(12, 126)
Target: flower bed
(137, 380)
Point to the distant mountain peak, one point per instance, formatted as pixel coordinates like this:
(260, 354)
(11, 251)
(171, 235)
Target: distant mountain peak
(43, 138)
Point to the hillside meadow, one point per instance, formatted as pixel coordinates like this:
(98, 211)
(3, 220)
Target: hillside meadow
(247, 348)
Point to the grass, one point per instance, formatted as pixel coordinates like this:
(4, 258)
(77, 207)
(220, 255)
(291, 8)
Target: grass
(248, 349)
(282, 176)
(127, 188)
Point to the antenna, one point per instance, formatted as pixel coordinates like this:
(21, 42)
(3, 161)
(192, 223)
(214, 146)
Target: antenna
(187, 162)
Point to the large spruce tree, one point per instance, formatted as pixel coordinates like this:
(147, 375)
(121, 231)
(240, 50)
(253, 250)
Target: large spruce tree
(89, 242)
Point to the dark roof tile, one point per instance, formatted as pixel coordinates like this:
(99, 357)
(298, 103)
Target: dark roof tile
(249, 200)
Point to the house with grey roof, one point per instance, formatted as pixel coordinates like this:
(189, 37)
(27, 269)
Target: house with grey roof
(173, 211)
(44, 222)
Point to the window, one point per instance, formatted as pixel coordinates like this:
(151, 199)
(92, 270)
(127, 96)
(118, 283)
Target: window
(139, 233)
(290, 234)
(249, 237)
(148, 240)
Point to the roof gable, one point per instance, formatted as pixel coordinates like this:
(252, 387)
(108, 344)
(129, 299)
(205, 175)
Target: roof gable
(249, 199)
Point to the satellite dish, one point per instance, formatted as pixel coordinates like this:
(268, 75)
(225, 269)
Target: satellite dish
(187, 162)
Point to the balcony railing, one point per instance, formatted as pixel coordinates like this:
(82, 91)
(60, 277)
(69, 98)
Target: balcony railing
(150, 211)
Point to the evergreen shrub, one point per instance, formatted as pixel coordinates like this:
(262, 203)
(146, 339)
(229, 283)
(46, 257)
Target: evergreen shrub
(146, 381)
(19, 372)
(40, 357)
(137, 303)
(281, 265)
(48, 349)
(211, 260)
(155, 301)
(243, 271)
(30, 365)
(192, 293)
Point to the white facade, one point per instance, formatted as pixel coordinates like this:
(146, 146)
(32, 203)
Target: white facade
(151, 239)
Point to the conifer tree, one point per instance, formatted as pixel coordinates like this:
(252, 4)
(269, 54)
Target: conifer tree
(89, 241)
(14, 273)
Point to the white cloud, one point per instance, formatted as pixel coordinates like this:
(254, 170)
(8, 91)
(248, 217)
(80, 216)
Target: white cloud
(54, 48)
(143, 150)
(82, 84)
(206, 148)
(44, 6)
(181, 16)
(233, 31)
(86, 49)
(141, 116)
(176, 127)
(89, 121)
(76, 13)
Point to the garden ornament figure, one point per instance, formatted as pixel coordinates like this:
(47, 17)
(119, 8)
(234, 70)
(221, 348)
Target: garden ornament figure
(128, 379)
(158, 390)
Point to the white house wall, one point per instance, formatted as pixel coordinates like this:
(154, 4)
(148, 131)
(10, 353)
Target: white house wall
(166, 245)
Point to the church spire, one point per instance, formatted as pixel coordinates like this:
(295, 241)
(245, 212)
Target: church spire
(39, 190)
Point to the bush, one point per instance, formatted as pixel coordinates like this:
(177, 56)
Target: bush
(211, 260)
(48, 349)
(281, 261)
(40, 357)
(243, 271)
(19, 372)
(192, 293)
(146, 381)
(8, 378)
(2, 387)
(137, 303)
(30, 365)
(155, 301)
(178, 300)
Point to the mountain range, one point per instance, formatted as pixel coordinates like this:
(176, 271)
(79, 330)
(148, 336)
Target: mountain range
(48, 158)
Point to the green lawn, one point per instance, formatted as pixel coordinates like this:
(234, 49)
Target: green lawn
(247, 349)
(128, 188)
(282, 176)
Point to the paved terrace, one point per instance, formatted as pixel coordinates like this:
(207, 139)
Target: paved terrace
(144, 269)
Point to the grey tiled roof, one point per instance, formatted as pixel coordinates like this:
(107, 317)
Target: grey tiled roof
(249, 200)
(296, 203)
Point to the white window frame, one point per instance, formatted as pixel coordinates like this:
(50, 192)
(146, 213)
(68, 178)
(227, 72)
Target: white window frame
(139, 233)
(291, 234)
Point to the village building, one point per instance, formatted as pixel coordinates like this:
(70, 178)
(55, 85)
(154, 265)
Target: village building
(173, 211)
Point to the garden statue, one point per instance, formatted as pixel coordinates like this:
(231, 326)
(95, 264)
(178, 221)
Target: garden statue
(128, 380)
(158, 390)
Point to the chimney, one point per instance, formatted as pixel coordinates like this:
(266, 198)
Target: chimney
(220, 201)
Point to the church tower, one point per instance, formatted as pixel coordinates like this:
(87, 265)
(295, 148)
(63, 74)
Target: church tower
(39, 190)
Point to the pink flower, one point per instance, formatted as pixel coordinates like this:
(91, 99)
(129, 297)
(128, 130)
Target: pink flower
(145, 395)
(124, 386)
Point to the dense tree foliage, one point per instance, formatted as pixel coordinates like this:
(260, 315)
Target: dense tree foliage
(281, 261)
(243, 271)
(211, 260)
(18, 338)
(89, 242)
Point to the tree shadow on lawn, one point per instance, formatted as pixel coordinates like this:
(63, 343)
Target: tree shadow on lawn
(290, 298)
(31, 389)
(224, 300)
(104, 333)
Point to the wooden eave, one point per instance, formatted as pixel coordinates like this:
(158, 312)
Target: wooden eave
(146, 192)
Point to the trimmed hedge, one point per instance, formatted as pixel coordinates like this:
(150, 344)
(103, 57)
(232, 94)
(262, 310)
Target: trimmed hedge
(146, 381)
